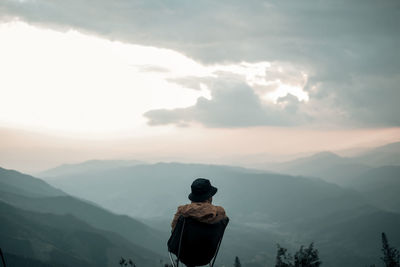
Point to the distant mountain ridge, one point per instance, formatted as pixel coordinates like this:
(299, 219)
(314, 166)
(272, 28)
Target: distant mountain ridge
(319, 160)
(334, 168)
(384, 155)
(165, 181)
(87, 166)
(380, 185)
(325, 165)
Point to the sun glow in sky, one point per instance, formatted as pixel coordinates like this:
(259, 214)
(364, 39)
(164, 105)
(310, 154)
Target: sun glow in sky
(72, 82)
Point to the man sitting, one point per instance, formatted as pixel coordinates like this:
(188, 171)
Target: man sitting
(201, 207)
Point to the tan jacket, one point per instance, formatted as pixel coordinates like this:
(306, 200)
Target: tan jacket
(201, 211)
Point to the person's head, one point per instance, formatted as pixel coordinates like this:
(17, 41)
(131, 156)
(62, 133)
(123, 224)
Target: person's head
(202, 190)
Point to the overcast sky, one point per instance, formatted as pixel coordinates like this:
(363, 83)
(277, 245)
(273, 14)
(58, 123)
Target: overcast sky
(160, 69)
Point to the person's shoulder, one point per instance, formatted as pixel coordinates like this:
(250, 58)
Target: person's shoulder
(220, 209)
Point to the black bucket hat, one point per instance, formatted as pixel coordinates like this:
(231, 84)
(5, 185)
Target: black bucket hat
(202, 190)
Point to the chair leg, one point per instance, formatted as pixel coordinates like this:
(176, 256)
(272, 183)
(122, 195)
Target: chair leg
(172, 260)
(2, 258)
(216, 254)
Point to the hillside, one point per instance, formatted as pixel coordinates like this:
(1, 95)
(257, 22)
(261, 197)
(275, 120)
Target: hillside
(384, 155)
(16, 182)
(63, 240)
(129, 228)
(23, 192)
(381, 186)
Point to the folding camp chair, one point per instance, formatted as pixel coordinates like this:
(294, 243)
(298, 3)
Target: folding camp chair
(195, 243)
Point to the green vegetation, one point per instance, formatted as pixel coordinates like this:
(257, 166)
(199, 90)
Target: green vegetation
(126, 262)
(309, 257)
(304, 257)
(237, 262)
(391, 256)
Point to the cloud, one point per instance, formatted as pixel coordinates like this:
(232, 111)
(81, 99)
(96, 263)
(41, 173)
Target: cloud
(192, 82)
(349, 49)
(233, 104)
(371, 100)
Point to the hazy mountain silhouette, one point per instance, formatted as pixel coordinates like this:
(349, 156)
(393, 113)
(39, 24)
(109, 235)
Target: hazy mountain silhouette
(145, 186)
(381, 186)
(87, 166)
(340, 170)
(324, 165)
(385, 155)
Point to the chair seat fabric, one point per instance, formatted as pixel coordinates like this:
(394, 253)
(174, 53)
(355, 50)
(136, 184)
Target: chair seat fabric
(198, 241)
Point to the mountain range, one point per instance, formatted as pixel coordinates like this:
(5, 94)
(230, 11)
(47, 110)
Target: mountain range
(337, 169)
(265, 209)
(93, 213)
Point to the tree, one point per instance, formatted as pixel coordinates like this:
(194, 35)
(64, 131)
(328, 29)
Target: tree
(304, 257)
(391, 256)
(283, 258)
(125, 262)
(131, 263)
(122, 262)
(307, 257)
(237, 262)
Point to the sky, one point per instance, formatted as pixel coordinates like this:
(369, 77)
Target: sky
(203, 81)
